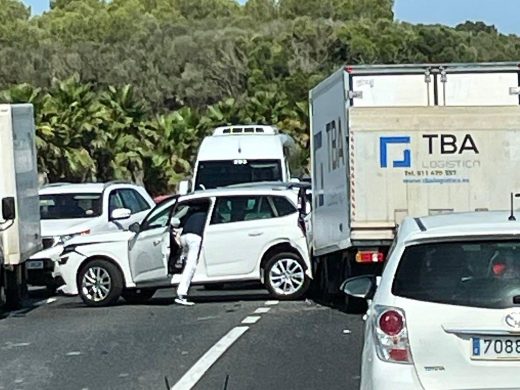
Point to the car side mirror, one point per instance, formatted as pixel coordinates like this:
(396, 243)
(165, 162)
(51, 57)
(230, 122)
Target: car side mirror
(184, 187)
(8, 209)
(360, 286)
(175, 223)
(135, 227)
(119, 214)
(294, 180)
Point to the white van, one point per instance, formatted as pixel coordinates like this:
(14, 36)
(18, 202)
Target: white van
(241, 154)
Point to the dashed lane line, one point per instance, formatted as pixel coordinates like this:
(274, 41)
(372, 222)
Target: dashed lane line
(262, 310)
(196, 372)
(250, 320)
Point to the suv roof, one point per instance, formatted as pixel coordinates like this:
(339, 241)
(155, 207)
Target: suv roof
(458, 225)
(54, 188)
(235, 191)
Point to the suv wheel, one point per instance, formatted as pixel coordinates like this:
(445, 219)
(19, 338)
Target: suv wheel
(100, 283)
(285, 276)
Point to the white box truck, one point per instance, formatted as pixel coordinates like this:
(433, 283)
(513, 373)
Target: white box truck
(406, 140)
(20, 213)
(242, 154)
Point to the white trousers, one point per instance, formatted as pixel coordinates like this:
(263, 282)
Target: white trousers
(190, 244)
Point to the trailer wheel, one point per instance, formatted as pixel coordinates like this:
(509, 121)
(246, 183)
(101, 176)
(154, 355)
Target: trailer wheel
(100, 283)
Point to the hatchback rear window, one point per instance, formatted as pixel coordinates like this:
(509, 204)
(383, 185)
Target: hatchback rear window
(471, 273)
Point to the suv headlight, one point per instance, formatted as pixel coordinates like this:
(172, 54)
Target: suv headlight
(66, 237)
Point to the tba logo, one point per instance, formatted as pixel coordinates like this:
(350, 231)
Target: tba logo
(385, 143)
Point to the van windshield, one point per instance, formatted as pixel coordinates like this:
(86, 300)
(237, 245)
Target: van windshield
(213, 174)
(469, 273)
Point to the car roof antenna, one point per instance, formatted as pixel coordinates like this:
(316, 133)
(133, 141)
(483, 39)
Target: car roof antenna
(512, 216)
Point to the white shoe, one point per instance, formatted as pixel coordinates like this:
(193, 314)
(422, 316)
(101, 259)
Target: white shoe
(183, 301)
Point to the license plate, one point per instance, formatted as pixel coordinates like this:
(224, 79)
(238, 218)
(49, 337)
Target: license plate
(495, 348)
(34, 264)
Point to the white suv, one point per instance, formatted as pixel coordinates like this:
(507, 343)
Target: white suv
(69, 210)
(251, 234)
(446, 312)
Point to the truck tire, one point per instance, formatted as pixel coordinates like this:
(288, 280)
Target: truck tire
(285, 276)
(100, 283)
(3, 299)
(138, 296)
(15, 287)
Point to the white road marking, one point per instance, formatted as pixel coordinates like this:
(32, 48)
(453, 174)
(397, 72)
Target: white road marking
(196, 372)
(272, 303)
(51, 300)
(206, 318)
(262, 310)
(251, 320)
(73, 353)
(20, 344)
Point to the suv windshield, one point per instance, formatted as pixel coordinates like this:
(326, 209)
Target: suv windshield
(70, 206)
(213, 174)
(469, 273)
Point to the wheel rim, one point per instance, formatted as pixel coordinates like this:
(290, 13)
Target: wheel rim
(96, 284)
(286, 276)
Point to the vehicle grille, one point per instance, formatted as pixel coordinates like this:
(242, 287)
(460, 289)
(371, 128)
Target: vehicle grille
(48, 242)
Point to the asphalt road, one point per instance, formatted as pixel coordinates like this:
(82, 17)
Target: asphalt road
(238, 337)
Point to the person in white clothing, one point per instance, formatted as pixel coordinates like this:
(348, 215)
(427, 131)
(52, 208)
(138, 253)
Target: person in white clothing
(191, 242)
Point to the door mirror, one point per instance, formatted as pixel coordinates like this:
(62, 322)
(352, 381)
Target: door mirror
(119, 214)
(8, 209)
(360, 286)
(294, 180)
(135, 227)
(175, 223)
(184, 187)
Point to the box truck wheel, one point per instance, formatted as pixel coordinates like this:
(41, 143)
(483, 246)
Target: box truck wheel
(2, 288)
(15, 287)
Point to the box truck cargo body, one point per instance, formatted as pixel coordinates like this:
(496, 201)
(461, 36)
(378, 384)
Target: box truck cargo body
(20, 212)
(395, 141)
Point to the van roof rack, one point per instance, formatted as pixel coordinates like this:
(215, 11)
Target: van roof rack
(246, 130)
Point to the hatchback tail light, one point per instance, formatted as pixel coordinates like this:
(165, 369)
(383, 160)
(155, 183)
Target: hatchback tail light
(391, 335)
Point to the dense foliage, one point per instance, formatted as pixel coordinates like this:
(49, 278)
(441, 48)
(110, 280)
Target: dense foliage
(127, 88)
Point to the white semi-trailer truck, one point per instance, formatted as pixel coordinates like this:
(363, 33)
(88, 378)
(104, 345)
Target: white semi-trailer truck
(406, 140)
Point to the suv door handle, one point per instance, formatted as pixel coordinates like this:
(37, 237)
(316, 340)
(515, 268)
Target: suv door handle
(256, 234)
(156, 242)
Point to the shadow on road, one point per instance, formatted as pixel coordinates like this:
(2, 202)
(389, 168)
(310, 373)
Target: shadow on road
(34, 299)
